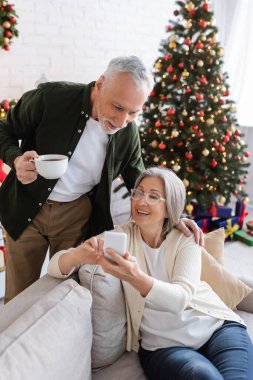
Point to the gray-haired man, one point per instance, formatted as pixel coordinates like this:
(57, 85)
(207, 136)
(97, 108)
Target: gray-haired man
(94, 126)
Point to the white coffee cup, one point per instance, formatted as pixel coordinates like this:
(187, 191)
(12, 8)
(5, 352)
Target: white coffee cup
(51, 166)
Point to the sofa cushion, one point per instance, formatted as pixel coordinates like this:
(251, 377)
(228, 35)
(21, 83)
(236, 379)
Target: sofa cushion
(228, 287)
(127, 367)
(108, 315)
(51, 338)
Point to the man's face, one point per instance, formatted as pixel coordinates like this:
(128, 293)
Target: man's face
(118, 101)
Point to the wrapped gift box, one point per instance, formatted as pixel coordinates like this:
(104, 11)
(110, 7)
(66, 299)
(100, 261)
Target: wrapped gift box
(213, 211)
(245, 237)
(240, 211)
(231, 225)
(204, 223)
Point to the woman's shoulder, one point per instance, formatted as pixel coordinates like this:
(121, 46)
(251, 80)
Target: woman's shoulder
(177, 237)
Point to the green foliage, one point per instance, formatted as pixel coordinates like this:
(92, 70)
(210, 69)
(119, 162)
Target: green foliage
(189, 123)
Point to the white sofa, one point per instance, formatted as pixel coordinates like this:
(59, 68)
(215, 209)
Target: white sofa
(46, 334)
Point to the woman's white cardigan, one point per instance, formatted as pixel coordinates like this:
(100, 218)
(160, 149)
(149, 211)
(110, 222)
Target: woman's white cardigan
(200, 297)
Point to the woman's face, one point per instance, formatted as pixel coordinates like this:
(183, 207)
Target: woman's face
(144, 213)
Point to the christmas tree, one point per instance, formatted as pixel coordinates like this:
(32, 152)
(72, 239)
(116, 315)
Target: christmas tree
(189, 123)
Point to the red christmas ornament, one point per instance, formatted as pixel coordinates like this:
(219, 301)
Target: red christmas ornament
(199, 97)
(181, 65)
(195, 127)
(203, 80)
(170, 69)
(6, 105)
(181, 123)
(150, 130)
(192, 12)
(162, 146)
(174, 77)
(221, 148)
(187, 41)
(167, 57)
(237, 132)
(226, 93)
(8, 34)
(213, 163)
(6, 47)
(228, 133)
(188, 90)
(222, 101)
(226, 139)
(188, 156)
(162, 97)
(9, 7)
(199, 45)
(205, 7)
(152, 94)
(247, 154)
(171, 111)
(216, 144)
(202, 23)
(200, 134)
(201, 113)
(158, 124)
(192, 67)
(13, 20)
(224, 119)
(180, 143)
(168, 28)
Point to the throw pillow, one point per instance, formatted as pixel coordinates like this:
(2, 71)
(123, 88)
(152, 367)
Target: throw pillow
(228, 287)
(108, 315)
(52, 339)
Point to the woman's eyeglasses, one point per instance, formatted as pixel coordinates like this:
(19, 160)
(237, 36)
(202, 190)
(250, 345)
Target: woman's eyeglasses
(150, 198)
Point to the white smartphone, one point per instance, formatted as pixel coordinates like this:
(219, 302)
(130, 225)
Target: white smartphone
(116, 241)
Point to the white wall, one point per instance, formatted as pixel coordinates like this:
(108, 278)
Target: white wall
(74, 39)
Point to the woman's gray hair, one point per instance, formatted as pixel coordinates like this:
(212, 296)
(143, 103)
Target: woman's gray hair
(175, 194)
(132, 65)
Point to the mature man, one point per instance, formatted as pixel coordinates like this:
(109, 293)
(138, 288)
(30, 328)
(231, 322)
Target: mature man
(91, 124)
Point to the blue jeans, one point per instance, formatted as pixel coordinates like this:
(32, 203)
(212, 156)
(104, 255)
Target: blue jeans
(228, 355)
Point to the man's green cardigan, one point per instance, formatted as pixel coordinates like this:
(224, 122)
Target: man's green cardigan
(51, 119)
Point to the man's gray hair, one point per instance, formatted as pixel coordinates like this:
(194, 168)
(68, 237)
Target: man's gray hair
(132, 65)
(175, 194)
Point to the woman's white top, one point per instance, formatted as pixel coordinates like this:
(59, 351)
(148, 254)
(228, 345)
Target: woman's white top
(160, 328)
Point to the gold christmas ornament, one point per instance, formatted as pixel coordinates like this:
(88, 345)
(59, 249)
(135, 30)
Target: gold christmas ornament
(200, 63)
(246, 200)
(154, 144)
(156, 159)
(173, 38)
(222, 199)
(176, 167)
(6, 24)
(172, 45)
(220, 52)
(189, 208)
(188, 25)
(209, 122)
(205, 152)
(215, 99)
(158, 65)
(185, 73)
(174, 133)
(184, 113)
(232, 108)
(6, 41)
(186, 182)
(190, 6)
